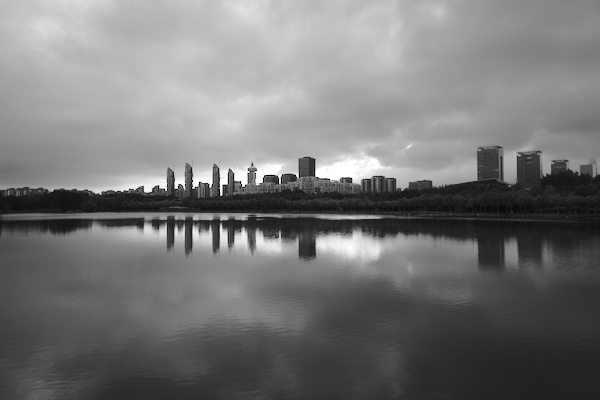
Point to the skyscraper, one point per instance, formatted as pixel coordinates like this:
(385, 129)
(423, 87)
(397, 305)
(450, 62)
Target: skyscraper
(559, 166)
(390, 185)
(252, 174)
(230, 183)
(216, 184)
(378, 184)
(188, 180)
(306, 167)
(365, 185)
(529, 168)
(170, 182)
(490, 163)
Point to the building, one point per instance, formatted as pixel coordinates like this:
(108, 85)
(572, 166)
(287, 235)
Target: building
(345, 180)
(287, 178)
(490, 162)
(188, 181)
(378, 184)
(252, 174)
(559, 166)
(390, 185)
(271, 179)
(306, 167)
(529, 168)
(170, 182)
(180, 191)
(216, 183)
(203, 190)
(588, 169)
(365, 186)
(420, 185)
(230, 182)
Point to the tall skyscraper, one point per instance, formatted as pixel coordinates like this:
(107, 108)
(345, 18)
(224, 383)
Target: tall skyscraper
(216, 183)
(390, 185)
(252, 174)
(490, 163)
(559, 166)
(188, 181)
(529, 168)
(230, 183)
(378, 184)
(306, 167)
(170, 182)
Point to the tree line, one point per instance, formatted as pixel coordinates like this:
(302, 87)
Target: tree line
(564, 193)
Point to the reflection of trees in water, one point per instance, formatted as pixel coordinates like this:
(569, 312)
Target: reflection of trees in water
(122, 223)
(51, 226)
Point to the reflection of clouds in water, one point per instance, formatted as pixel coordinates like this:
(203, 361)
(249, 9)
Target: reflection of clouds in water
(358, 250)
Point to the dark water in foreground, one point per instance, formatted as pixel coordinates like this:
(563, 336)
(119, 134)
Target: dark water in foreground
(235, 306)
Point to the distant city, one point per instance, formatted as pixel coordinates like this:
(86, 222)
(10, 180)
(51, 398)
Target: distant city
(490, 167)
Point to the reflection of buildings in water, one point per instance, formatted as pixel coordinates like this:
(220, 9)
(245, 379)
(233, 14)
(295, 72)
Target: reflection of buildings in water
(180, 225)
(307, 242)
(491, 248)
(189, 223)
(170, 232)
(230, 236)
(203, 226)
(155, 223)
(251, 233)
(530, 247)
(215, 227)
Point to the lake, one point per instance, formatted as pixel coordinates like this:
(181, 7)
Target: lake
(239, 306)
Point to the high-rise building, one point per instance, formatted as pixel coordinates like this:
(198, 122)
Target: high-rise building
(559, 166)
(378, 184)
(345, 180)
(306, 167)
(230, 183)
(365, 185)
(390, 185)
(203, 190)
(588, 169)
(216, 183)
(271, 179)
(252, 174)
(490, 163)
(170, 182)
(180, 191)
(529, 168)
(188, 180)
(287, 178)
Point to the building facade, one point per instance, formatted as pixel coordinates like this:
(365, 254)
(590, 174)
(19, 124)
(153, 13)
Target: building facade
(559, 166)
(306, 167)
(170, 182)
(390, 185)
(346, 180)
(203, 190)
(252, 174)
(230, 182)
(216, 181)
(420, 185)
(189, 176)
(271, 179)
(287, 178)
(490, 162)
(378, 184)
(588, 169)
(365, 186)
(529, 168)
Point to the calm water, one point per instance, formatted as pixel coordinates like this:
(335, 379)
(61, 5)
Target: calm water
(238, 306)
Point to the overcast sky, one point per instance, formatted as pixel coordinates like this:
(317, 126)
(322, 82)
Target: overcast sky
(108, 94)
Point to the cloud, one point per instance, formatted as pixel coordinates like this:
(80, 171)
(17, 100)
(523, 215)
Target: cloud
(96, 93)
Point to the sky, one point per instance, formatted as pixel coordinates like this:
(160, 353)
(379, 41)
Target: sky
(100, 94)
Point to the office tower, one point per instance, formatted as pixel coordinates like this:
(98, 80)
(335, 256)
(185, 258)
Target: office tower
(156, 190)
(365, 185)
(378, 184)
(490, 163)
(180, 191)
(170, 182)
(390, 185)
(420, 185)
(287, 178)
(345, 180)
(588, 169)
(252, 174)
(559, 166)
(306, 167)
(230, 183)
(271, 179)
(216, 184)
(529, 168)
(203, 190)
(188, 180)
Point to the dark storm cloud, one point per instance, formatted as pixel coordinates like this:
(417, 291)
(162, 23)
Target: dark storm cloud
(109, 94)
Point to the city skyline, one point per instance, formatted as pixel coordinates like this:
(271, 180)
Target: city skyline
(106, 96)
